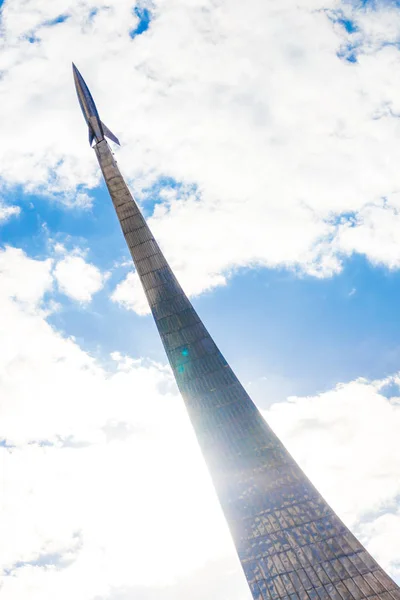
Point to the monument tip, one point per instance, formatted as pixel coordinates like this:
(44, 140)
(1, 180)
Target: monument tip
(97, 129)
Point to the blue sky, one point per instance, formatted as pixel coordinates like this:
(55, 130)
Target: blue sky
(310, 333)
(264, 154)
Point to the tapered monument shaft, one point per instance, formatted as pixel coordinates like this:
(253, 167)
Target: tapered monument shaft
(290, 542)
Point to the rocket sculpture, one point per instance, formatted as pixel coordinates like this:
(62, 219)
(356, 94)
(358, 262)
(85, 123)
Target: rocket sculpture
(291, 544)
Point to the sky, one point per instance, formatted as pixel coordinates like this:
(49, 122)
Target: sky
(262, 144)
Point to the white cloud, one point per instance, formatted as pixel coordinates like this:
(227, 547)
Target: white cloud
(130, 294)
(6, 212)
(382, 536)
(78, 279)
(278, 135)
(374, 233)
(80, 200)
(24, 279)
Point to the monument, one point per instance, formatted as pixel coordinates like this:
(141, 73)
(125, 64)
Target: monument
(291, 544)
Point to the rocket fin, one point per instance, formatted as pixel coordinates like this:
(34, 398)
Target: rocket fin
(110, 134)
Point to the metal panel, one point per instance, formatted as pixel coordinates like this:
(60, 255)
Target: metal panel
(134, 234)
(149, 264)
(149, 248)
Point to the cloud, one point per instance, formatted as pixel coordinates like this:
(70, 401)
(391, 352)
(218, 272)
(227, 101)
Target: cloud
(78, 279)
(79, 200)
(373, 232)
(280, 136)
(382, 536)
(23, 279)
(6, 212)
(75, 277)
(130, 294)
(215, 580)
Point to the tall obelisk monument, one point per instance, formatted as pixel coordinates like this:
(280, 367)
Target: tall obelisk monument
(291, 544)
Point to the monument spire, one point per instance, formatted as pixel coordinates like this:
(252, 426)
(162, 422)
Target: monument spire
(291, 544)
